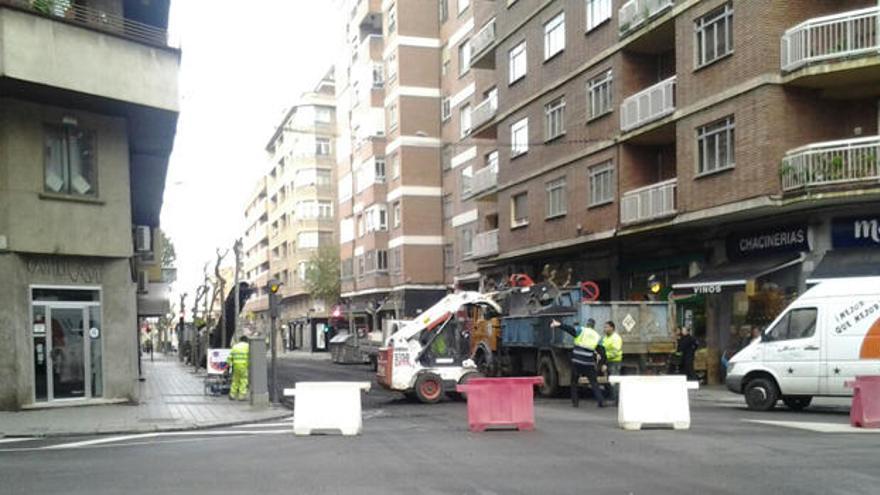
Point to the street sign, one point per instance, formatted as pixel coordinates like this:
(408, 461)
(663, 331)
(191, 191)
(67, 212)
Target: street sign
(590, 291)
(629, 322)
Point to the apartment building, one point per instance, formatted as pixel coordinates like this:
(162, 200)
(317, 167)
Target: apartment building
(255, 249)
(88, 112)
(301, 192)
(720, 154)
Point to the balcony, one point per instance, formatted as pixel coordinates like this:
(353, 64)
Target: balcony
(833, 37)
(485, 179)
(635, 13)
(831, 163)
(648, 105)
(649, 202)
(485, 244)
(367, 14)
(485, 111)
(482, 45)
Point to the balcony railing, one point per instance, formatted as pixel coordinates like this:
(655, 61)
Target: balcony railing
(484, 39)
(648, 105)
(830, 163)
(95, 19)
(831, 37)
(485, 244)
(484, 179)
(649, 202)
(485, 111)
(634, 13)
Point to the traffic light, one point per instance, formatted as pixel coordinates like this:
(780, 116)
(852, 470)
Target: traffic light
(654, 284)
(273, 286)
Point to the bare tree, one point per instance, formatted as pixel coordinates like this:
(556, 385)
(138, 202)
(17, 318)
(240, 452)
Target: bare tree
(221, 288)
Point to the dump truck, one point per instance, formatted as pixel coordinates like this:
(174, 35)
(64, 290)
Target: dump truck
(521, 341)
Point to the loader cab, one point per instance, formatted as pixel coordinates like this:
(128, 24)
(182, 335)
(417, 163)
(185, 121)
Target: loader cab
(449, 344)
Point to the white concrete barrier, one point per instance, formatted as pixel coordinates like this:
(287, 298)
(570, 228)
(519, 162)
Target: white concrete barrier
(653, 401)
(327, 406)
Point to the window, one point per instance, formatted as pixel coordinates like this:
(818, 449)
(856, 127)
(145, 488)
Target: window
(798, 323)
(598, 11)
(600, 95)
(391, 68)
(325, 209)
(322, 146)
(346, 230)
(554, 36)
(445, 60)
(465, 120)
(463, 5)
(392, 19)
(396, 262)
(464, 57)
(446, 157)
(362, 270)
(322, 177)
(444, 10)
(554, 119)
(445, 109)
(307, 240)
(467, 175)
(519, 206)
(492, 160)
(715, 146)
(382, 260)
(302, 269)
(601, 184)
(447, 208)
(467, 241)
(395, 166)
(376, 218)
(519, 137)
(378, 75)
(380, 169)
(714, 35)
(555, 204)
(517, 63)
(347, 269)
(69, 161)
(395, 213)
(448, 256)
(323, 115)
(392, 116)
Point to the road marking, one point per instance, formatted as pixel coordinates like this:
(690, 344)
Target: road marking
(13, 440)
(98, 441)
(815, 427)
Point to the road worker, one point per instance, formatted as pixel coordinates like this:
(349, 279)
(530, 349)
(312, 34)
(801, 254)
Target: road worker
(613, 344)
(583, 358)
(238, 359)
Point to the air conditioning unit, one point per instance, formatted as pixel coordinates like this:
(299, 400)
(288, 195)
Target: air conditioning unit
(143, 281)
(143, 242)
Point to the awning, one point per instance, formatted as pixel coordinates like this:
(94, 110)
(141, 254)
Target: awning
(847, 263)
(738, 273)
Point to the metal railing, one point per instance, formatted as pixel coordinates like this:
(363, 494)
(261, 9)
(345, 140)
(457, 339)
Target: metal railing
(95, 19)
(649, 202)
(634, 13)
(832, 162)
(484, 179)
(485, 244)
(648, 105)
(831, 37)
(485, 111)
(484, 38)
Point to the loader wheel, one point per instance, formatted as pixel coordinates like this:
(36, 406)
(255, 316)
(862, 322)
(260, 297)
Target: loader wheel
(429, 388)
(547, 369)
(464, 379)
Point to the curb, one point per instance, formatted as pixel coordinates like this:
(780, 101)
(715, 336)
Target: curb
(281, 413)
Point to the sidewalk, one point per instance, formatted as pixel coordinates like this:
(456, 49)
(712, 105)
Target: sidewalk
(172, 398)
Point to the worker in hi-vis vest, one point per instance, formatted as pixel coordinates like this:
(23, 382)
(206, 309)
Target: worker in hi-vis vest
(238, 360)
(613, 344)
(584, 359)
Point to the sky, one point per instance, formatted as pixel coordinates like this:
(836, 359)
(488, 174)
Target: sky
(243, 63)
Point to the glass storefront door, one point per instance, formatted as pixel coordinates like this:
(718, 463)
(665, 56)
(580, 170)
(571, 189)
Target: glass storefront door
(66, 344)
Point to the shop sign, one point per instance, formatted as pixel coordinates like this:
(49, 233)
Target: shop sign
(707, 289)
(856, 232)
(65, 270)
(792, 238)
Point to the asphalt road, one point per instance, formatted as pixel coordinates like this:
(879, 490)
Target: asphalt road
(417, 449)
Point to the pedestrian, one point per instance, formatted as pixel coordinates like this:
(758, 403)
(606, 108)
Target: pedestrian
(238, 359)
(583, 358)
(687, 347)
(613, 344)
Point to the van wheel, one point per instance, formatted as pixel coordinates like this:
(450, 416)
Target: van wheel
(797, 403)
(547, 370)
(429, 388)
(761, 394)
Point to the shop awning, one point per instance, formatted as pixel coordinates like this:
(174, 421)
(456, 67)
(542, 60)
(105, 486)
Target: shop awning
(846, 263)
(738, 273)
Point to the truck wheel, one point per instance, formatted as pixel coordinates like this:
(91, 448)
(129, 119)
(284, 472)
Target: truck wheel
(374, 363)
(761, 394)
(547, 369)
(429, 388)
(461, 381)
(797, 403)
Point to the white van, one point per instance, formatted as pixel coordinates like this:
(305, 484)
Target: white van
(825, 337)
